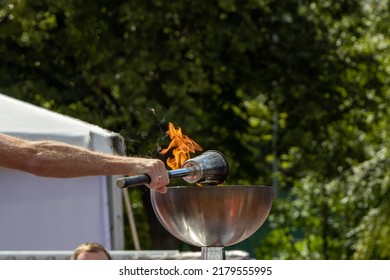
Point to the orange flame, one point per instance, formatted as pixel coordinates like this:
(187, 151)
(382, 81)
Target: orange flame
(182, 146)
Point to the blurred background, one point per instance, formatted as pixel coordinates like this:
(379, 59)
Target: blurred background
(295, 93)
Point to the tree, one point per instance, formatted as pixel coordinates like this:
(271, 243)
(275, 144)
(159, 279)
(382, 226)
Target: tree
(341, 151)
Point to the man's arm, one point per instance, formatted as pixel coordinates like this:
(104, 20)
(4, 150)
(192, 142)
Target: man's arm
(60, 160)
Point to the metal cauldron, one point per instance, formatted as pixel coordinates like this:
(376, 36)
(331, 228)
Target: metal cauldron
(213, 216)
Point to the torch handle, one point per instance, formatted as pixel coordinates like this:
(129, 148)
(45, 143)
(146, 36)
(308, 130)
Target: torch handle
(138, 180)
(133, 181)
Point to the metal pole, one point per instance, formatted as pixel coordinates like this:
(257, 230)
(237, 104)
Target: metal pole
(130, 216)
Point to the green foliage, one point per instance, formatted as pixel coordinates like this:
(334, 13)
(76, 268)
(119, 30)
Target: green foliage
(346, 218)
(295, 93)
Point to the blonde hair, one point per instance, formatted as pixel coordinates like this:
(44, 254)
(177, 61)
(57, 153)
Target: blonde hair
(91, 247)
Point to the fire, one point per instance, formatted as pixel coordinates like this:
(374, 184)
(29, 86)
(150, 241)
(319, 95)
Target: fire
(182, 146)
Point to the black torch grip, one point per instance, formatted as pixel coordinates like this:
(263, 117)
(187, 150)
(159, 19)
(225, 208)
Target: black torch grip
(138, 180)
(133, 181)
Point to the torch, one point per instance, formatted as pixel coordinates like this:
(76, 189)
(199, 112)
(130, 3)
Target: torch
(211, 168)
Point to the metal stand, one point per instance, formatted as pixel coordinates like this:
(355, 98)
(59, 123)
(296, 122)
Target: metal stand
(213, 253)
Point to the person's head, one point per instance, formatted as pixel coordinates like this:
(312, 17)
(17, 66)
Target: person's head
(90, 251)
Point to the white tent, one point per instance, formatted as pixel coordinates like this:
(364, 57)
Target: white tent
(57, 214)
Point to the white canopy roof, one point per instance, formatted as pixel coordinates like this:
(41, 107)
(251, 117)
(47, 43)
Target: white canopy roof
(25, 120)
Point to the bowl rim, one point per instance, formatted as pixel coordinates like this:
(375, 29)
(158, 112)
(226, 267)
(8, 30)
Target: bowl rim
(217, 186)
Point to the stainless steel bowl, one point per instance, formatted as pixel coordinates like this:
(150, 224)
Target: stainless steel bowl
(212, 216)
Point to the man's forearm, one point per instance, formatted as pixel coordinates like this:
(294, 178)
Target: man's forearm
(60, 160)
(54, 159)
